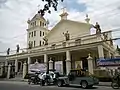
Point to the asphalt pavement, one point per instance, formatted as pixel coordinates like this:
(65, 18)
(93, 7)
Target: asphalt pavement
(13, 85)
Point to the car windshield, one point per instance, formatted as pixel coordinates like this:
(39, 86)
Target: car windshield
(78, 73)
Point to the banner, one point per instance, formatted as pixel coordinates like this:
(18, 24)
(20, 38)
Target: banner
(78, 64)
(37, 67)
(109, 62)
(59, 66)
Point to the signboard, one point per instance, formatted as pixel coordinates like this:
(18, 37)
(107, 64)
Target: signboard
(37, 67)
(59, 66)
(109, 62)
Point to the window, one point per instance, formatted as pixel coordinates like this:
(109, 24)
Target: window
(40, 43)
(45, 24)
(35, 23)
(40, 33)
(40, 23)
(43, 33)
(43, 42)
(34, 43)
(34, 33)
(29, 34)
(31, 43)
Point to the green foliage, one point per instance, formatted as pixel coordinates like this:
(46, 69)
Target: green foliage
(50, 3)
(118, 49)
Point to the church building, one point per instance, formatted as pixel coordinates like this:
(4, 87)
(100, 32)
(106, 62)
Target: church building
(67, 45)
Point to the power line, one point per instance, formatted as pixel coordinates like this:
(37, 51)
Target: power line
(103, 7)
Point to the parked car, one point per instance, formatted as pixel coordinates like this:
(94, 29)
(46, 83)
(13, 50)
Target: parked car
(79, 77)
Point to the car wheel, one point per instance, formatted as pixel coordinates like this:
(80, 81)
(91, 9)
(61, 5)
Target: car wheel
(84, 84)
(114, 85)
(59, 83)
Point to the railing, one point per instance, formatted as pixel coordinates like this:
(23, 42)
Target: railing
(61, 44)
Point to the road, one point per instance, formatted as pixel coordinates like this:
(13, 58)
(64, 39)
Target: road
(12, 85)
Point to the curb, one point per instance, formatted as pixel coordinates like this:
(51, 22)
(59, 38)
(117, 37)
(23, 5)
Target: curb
(25, 80)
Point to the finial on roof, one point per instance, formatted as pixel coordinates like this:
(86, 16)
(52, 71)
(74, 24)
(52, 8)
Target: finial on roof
(28, 20)
(64, 14)
(63, 9)
(87, 18)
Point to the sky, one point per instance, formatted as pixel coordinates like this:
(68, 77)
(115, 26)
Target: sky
(15, 13)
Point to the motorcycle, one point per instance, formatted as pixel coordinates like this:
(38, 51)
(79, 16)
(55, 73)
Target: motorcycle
(115, 82)
(49, 79)
(34, 79)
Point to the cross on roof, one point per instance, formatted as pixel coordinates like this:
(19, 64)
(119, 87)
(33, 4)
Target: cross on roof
(63, 9)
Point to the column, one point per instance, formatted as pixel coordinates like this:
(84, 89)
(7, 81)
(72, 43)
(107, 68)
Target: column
(100, 52)
(46, 60)
(90, 64)
(68, 62)
(8, 72)
(24, 69)
(50, 65)
(1, 69)
(29, 62)
(6, 63)
(16, 66)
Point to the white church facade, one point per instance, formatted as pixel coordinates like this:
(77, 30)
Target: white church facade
(51, 46)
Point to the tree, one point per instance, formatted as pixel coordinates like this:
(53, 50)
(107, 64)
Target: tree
(50, 3)
(118, 49)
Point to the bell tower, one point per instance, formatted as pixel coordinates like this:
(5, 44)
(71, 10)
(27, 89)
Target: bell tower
(37, 29)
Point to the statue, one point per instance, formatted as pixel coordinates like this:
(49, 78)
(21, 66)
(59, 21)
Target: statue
(46, 40)
(105, 36)
(97, 27)
(111, 42)
(18, 48)
(67, 35)
(8, 51)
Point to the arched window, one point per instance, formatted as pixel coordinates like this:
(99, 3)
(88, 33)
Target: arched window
(40, 33)
(34, 43)
(29, 34)
(35, 23)
(32, 34)
(40, 23)
(43, 42)
(40, 43)
(43, 33)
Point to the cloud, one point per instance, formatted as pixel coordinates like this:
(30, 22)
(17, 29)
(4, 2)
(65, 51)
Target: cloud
(15, 13)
